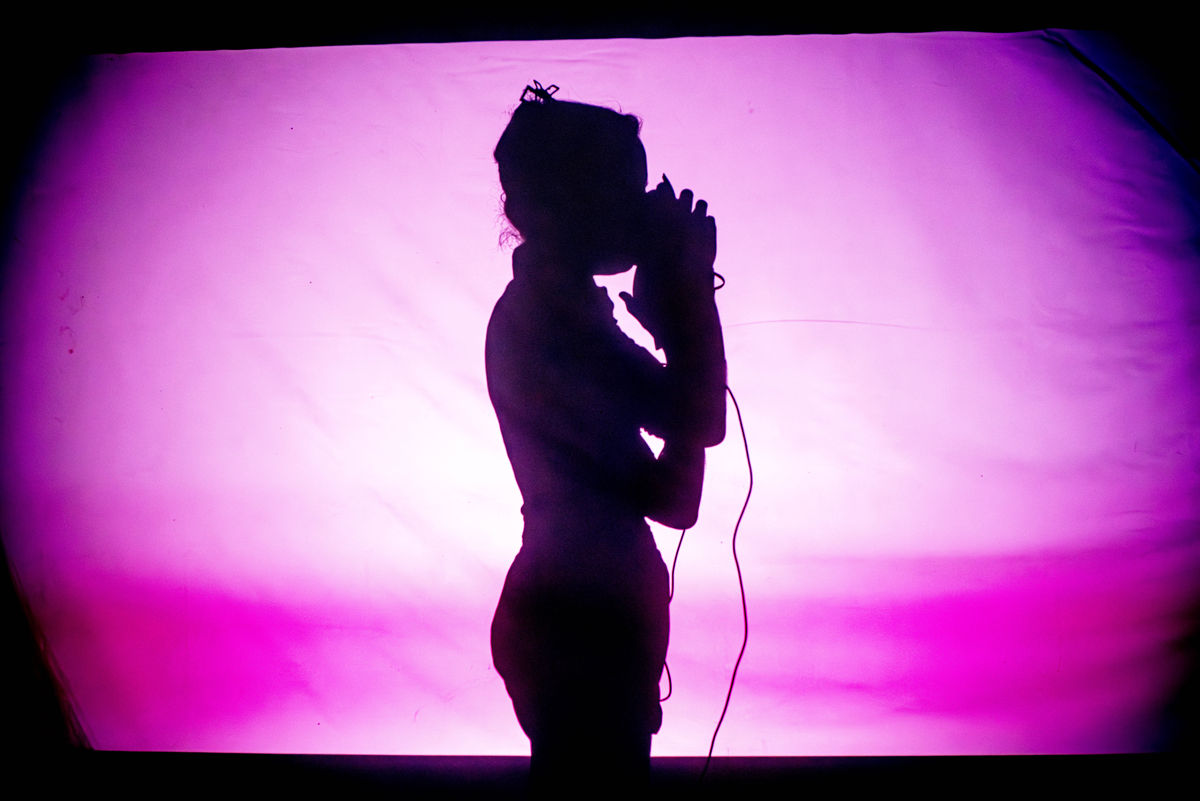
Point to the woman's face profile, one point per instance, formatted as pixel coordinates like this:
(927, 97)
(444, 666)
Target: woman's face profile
(575, 181)
(615, 224)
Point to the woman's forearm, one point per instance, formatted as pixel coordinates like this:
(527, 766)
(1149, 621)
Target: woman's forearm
(695, 353)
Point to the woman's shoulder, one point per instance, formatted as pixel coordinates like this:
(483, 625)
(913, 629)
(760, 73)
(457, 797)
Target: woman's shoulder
(511, 312)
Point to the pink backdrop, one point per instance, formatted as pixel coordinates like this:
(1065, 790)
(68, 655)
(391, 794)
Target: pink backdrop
(257, 498)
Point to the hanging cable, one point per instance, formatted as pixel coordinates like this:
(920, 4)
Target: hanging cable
(741, 587)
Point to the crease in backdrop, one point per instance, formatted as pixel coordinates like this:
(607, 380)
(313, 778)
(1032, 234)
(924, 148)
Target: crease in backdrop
(256, 496)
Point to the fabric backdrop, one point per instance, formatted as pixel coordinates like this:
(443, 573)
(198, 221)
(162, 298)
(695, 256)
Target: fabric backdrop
(255, 494)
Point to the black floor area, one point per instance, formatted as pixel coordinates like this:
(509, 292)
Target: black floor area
(165, 775)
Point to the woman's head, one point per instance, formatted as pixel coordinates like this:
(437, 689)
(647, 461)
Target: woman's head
(573, 176)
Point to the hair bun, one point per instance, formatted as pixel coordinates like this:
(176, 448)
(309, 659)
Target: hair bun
(538, 93)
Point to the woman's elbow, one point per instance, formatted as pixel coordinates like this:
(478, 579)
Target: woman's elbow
(681, 517)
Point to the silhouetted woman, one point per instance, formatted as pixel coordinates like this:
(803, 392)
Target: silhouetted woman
(580, 633)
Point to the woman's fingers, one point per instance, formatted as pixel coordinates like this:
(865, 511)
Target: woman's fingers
(686, 196)
(685, 200)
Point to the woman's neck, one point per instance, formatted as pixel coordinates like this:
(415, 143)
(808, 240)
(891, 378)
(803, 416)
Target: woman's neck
(552, 267)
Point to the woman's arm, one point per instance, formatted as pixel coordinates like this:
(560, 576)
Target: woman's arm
(695, 350)
(673, 298)
(696, 380)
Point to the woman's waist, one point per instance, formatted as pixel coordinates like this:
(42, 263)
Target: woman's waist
(586, 551)
(585, 519)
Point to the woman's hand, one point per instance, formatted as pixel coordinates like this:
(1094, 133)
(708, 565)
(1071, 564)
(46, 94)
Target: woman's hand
(675, 267)
(681, 234)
